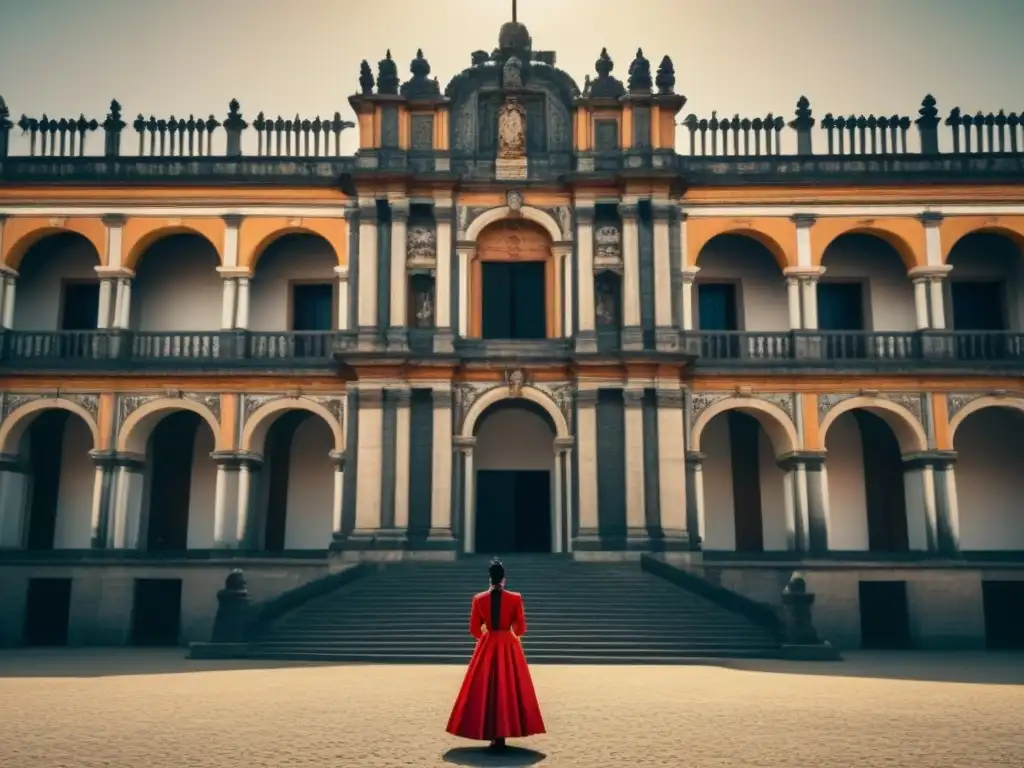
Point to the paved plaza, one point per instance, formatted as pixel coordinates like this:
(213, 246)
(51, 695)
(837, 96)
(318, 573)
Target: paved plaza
(131, 709)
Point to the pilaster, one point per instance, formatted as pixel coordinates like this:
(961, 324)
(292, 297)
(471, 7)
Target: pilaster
(672, 465)
(586, 333)
(586, 433)
(368, 274)
(441, 478)
(665, 334)
(636, 520)
(398, 337)
(632, 332)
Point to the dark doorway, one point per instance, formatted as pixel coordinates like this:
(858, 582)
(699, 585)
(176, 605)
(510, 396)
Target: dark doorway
(280, 438)
(745, 444)
(1004, 614)
(841, 308)
(884, 618)
(718, 310)
(47, 610)
(312, 307)
(883, 485)
(172, 448)
(46, 438)
(978, 308)
(81, 307)
(513, 303)
(513, 511)
(156, 612)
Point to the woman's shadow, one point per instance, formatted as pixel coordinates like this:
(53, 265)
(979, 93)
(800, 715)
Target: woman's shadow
(481, 757)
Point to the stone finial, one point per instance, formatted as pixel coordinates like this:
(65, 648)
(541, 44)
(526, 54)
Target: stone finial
(640, 73)
(928, 125)
(796, 604)
(420, 86)
(232, 619)
(479, 58)
(666, 80)
(233, 126)
(365, 78)
(387, 76)
(605, 86)
(5, 114)
(112, 127)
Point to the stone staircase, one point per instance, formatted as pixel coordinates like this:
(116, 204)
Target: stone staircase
(583, 613)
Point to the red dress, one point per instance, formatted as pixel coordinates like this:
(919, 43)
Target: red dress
(497, 699)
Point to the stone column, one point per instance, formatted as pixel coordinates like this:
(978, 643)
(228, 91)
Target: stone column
(586, 332)
(102, 498)
(398, 335)
(636, 516)
(817, 503)
(338, 501)
(225, 501)
(367, 311)
(14, 483)
(123, 300)
(695, 498)
(106, 316)
(227, 304)
(128, 526)
(686, 301)
(242, 321)
(465, 446)
(342, 321)
(632, 332)
(809, 289)
(403, 410)
(245, 531)
(441, 479)
(665, 333)
(795, 499)
(586, 438)
(443, 278)
(935, 269)
(562, 523)
(921, 302)
(672, 465)
(465, 253)
(8, 286)
(567, 535)
(370, 461)
(947, 508)
(793, 299)
(563, 267)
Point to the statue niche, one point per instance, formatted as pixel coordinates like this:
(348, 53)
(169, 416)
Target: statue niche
(511, 131)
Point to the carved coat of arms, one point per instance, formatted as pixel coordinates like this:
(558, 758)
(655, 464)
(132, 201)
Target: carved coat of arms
(511, 131)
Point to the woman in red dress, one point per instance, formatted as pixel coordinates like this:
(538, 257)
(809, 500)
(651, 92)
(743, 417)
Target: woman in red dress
(497, 700)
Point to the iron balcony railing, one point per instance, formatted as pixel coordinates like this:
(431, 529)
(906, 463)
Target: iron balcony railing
(286, 350)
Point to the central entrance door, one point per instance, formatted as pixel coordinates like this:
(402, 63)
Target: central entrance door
(513, 306)
(513, 511)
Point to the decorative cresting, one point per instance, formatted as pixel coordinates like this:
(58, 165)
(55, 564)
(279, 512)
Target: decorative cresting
(961, 405)
(471, 399)
(134, 409)
(773, 411)
(260, 411)
(902, 411)
(18, 410)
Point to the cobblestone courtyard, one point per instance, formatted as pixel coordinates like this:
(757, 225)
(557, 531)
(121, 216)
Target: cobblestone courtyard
(87, 709)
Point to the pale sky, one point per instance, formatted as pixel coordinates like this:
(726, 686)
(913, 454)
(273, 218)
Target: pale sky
(66, 57)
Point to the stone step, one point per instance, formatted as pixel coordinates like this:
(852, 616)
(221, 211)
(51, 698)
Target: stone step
(369, 657)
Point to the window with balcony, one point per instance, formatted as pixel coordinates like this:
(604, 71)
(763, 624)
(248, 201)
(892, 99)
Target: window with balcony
(717, 311)
(841, 308)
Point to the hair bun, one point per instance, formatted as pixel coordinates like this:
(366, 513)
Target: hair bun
(496, 561)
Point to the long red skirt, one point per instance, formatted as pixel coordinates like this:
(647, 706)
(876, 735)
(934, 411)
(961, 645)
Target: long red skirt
(497, 700)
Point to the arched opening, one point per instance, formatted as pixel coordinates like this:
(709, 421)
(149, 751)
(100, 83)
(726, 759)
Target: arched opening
(295, 493)
(864, 289)
(989, 485)
(513, 282)
(740, 286)
(295, 288)
(744, 493)
(867, 492)
(179, 489)
(985, 295)
(54, 510)
(177, 288)
(58, 288)
(514, 462)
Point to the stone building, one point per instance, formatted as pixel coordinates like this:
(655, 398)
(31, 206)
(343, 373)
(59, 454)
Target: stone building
(525, 316)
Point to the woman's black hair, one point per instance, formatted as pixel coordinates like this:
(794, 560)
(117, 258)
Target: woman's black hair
(496, 571)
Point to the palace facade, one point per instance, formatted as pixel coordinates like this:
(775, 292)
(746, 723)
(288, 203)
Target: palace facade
(523, 316)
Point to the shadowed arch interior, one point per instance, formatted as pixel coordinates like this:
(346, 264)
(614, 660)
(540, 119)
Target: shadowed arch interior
(171, 454)
(294, 284)
(514, 461)
(58, 288)
(984, 291)
(174, 268)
